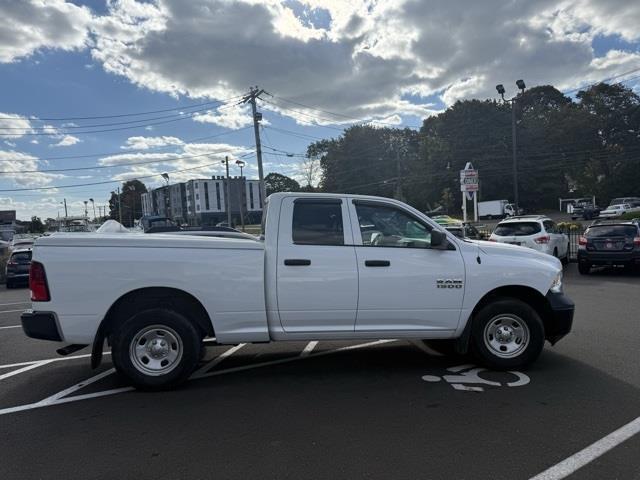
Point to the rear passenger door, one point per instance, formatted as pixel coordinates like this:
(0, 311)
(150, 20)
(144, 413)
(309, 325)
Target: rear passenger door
(557, 240)
(317, 276)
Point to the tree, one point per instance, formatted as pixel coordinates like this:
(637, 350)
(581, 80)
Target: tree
(310, 169)
(276, 182)
(130, 196)
(36, 225)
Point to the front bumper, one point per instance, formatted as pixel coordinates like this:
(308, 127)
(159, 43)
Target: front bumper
(41, 325)
(562, 310)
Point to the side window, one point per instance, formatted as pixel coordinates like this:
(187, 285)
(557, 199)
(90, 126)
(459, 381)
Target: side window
(317, 223)
(549, 226)
(386, 226)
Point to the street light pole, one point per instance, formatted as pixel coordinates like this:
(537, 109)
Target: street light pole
(226, 162)
(241, 164)
(514, 138)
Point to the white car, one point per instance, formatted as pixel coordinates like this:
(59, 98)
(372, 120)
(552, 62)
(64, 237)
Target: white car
(613, 211)
(533, 231)
(331, 267)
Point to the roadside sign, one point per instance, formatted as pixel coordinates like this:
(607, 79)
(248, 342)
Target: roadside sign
(469, 185)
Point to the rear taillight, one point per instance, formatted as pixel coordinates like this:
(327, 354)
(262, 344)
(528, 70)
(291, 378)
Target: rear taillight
(582, 241)
(38, 283)
(636, 241)
(543, 239)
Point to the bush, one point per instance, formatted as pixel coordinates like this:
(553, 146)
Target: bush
(569, 226)
(630, 216)
(4, 257)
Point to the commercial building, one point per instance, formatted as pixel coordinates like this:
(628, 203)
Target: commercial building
(205, 201)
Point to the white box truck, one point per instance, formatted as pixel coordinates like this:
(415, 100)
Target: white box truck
(495, 209)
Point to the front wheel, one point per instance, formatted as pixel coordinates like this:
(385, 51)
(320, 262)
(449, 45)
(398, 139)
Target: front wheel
(506, 334)
(156, 349)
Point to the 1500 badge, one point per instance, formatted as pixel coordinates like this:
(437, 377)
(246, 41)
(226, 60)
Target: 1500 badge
(449, 283)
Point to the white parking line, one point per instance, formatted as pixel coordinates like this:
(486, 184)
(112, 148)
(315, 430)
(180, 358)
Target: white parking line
(12, 311)
(11, 326)
(68, 391)
(209, 365)
(50, 360)
(24, 369)
(115, 391)
(589, 454)
(309, 348)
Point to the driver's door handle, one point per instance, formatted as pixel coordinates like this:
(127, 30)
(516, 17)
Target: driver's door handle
(297, 262)
(377, 263)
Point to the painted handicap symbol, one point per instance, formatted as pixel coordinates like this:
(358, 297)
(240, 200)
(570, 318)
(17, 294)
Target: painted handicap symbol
(469, 375)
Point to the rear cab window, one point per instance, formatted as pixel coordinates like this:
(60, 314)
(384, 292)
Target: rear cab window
(317, 222)
(517, 229)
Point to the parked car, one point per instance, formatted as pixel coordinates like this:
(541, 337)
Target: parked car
(465, 230)
(622, 200)
(533, 231)
(17, 269)
(333, 267)
(585, 209)
(609, 243)
(613, 211)
(21, 242)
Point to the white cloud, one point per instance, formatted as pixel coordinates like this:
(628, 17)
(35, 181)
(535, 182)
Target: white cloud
(145, 143)
(67, 141)
(13, 125)
(30, 25)
(12, 162)
(228, 116)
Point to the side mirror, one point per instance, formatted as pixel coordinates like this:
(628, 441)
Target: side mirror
(437, 238)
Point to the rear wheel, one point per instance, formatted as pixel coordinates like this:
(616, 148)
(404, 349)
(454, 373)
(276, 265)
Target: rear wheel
(507, 333)
(9, 284)
(156, 349)
(584, 268)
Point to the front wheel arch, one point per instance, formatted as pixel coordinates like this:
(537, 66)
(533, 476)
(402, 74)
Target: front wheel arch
(529, 295)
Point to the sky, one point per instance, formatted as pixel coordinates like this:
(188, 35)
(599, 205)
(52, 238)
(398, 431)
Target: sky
(97, 92)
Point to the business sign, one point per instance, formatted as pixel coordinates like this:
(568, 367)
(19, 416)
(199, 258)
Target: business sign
(7, 216)
(469, 179)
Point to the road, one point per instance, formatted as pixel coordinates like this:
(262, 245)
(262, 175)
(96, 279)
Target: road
(336, 409)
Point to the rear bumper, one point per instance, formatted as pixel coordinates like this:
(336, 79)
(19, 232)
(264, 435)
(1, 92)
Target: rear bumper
(41, 325)
(608, 258)
(562, 310)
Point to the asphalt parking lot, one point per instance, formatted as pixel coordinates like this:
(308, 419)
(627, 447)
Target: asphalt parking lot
(376, 409)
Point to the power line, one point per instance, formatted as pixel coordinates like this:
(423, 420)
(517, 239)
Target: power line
(149, 112)
(132, 151)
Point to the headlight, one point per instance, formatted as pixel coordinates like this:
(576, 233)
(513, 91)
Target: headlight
(556, 286)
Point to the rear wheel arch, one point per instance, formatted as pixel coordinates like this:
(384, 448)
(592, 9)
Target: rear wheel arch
(138, 300)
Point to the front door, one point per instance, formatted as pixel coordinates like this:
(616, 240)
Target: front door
(404, 284)
(317, 276)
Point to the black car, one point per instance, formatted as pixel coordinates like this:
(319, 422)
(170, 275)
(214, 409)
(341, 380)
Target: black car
(17, 271)
(465, 231)
(585, 210)
(609, 243)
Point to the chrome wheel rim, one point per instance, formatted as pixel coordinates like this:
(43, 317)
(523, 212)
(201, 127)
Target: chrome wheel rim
(156, 350)
(506, 335)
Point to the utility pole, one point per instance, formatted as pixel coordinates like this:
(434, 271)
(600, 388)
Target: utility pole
(226, 162)
(66, 214)
(257, 116)
(243, 195)
(119, 206)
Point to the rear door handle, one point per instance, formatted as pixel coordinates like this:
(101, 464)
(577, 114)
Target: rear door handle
(297, 262)
(377, 263)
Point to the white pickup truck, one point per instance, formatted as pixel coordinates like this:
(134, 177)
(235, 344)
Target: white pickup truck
(329, 266)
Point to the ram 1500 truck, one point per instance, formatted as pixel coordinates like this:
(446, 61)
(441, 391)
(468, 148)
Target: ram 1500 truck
(329, 266)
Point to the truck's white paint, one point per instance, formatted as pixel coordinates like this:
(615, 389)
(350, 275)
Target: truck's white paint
(251, 295)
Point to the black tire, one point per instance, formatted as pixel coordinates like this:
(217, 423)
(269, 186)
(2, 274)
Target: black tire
(584, 268)
(446, 347)
(565, 259)
(189, 344)
(520, 312)
(9, 285)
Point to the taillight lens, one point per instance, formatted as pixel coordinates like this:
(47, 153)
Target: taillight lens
(38, 283)
(636, 241)
(582, 241)
(543, 239)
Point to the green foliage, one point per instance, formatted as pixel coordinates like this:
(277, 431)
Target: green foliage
(36, 225)
(130, 193)
(276, 182)
(630, 216)
(565, 148)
